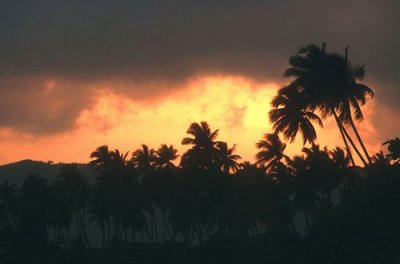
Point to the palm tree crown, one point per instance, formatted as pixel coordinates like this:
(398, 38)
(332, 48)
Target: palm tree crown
(271, 151)
(226, 159)
(290, 116)
(143, 158)
(165, 155)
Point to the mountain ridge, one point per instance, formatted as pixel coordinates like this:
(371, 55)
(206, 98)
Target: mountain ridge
(17, 172)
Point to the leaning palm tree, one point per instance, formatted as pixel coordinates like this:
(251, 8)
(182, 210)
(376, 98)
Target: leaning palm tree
(271, 151)
(226, 159)
(328, 82)
(290, 116)
(352, 96)
(101, 159)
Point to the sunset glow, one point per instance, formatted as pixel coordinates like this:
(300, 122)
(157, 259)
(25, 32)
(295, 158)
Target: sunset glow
(237, 106)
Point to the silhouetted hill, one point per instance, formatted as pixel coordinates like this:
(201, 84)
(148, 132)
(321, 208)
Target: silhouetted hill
(17, 172)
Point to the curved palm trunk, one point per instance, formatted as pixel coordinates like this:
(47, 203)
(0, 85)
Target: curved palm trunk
(359, 140)
(341, 127)
(354, 146)
(347, 146)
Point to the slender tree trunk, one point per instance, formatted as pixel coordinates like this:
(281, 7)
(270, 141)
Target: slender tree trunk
(341, 127)
(359, 140)
(344, 140)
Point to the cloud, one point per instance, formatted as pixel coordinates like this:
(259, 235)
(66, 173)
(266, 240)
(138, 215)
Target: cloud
(145, 49)
(41, 106)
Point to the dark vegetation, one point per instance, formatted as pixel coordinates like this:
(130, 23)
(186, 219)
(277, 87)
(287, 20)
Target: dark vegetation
(317, 207)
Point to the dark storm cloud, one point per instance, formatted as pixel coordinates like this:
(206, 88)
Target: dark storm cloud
(86, 41)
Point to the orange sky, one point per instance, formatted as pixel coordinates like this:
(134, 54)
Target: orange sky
(237, 106)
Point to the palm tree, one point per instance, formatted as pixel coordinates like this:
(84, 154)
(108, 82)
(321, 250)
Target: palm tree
(101, 159)
(203, 151)
(290, 115)
(165, 155)
(341, 159)
(60, 212)
(342, 162)
(100, 212)
(271, 151)
(305, 189)
(352, 96)
(327, 81)
(394, 149)
(226, 159)
(77, 191)
(143, 158)
(322, 173)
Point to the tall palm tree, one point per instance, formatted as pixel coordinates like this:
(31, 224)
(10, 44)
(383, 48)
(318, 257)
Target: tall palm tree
(143, 159)
(165, 155)
(271, 151)
(290, 115)
(329, 83)
(77, 190)
(226, 159)
(352, 96)
(342, 162)
(305, 189)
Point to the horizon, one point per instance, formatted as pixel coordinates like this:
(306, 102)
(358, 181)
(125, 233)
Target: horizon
(118, 73)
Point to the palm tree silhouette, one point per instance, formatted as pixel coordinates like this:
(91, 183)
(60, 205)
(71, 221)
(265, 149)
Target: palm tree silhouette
(101, 159)
(394, 149)
(60, 212)
(305, 189)
(341, 159)
(327, 81)
(76, 187)
(226, 159)
(143, 158)
(352, 96)
(271, 151)
(290, 115)
(165, 155)
(203, 152)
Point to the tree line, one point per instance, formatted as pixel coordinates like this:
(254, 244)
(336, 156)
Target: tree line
(286, 206)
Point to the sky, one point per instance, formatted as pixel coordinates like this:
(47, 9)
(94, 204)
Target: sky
(75, 75)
